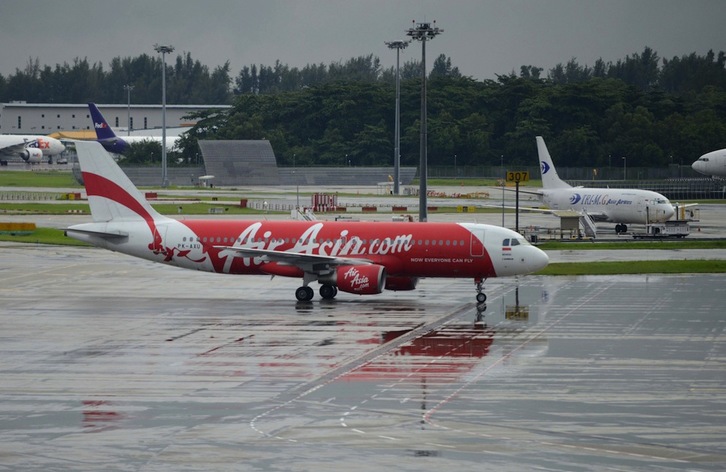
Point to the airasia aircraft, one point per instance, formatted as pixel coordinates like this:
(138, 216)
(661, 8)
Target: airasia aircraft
(356, 257)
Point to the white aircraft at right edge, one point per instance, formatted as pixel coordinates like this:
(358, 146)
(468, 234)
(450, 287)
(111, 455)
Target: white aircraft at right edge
(712, 164)
(612, 205)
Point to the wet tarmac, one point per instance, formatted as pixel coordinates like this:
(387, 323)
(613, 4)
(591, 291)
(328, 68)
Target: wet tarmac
(110, 362)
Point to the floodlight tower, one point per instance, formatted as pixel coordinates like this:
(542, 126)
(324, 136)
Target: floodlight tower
(164, 50)
(397, 45)
(423, 32)
(128, 89)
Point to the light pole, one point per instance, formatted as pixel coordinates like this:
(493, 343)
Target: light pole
(504, 179)
(397, 45)
(128, 89)
(423, 32)
(625, 168)
(164, 50)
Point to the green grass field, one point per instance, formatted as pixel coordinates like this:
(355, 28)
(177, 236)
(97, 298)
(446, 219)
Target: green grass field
(45, 179)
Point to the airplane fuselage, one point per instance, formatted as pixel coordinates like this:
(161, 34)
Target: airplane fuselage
(464, 250)
(611, 205)
(712, 164)
(31, 148)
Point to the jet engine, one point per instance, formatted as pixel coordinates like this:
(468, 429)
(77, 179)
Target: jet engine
(401, 283)
(361, 279)
(31, 155)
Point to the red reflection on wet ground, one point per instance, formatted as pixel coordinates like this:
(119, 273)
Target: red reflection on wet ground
(98, 416)
(446, 353)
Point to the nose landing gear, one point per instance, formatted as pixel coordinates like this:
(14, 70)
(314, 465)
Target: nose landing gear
(481, 297)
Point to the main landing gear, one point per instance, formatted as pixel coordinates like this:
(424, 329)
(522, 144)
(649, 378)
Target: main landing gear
(621, 228)
(481, 297)
(305, 293)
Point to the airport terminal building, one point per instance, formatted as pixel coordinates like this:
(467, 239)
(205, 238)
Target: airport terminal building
(48, 118)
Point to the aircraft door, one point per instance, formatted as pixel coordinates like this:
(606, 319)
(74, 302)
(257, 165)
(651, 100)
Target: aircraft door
(477, 242)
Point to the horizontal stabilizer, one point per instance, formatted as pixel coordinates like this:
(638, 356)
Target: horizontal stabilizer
(101, 234)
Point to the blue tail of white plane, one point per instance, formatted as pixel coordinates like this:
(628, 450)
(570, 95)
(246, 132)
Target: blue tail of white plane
(104, 133)
(550, 179)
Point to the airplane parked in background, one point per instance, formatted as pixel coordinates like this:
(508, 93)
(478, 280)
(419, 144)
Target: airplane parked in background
(117, 144)
(712, 164)
(31, 149)
(613, 205)
(355, 257)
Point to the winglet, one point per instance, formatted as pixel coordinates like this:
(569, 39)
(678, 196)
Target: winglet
(550, 179)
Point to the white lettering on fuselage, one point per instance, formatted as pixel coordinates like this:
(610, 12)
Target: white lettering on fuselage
(598, 199)
(309, 242)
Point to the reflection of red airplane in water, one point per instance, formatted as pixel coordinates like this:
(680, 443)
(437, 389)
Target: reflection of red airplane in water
(449, 351)
(356, 257)
(99, 415)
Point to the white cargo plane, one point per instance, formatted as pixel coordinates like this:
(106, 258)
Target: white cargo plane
(613, 205)
(712, 164)
(31, 149)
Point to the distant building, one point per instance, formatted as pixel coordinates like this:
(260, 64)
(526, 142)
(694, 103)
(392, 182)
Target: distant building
(47, 118)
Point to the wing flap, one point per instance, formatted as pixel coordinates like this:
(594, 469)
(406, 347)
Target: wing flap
(294, 258)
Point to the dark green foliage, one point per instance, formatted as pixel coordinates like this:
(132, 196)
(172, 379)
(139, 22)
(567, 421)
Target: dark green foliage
(656, 112)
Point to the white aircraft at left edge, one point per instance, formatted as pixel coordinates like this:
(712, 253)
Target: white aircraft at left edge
(712, 164)
(31, 149)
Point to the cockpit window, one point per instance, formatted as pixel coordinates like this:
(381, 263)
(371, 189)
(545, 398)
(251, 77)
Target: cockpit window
(514, 242)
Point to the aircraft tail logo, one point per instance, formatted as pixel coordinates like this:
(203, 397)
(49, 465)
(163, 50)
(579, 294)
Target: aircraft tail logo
(103, 130)
(550, 179)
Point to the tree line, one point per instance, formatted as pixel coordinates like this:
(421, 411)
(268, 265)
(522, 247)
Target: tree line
(652, 110)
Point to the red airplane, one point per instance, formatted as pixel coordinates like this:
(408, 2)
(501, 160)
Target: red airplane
(356, 257)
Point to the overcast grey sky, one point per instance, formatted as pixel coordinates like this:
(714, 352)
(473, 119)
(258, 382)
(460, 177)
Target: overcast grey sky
(482, 37)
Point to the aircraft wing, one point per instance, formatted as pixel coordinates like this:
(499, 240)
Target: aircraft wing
(304, 261)
(595, 216)
(535, 192)
(14, 147)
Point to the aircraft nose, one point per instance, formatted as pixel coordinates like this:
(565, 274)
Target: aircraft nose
(669, 212)
(539, 259)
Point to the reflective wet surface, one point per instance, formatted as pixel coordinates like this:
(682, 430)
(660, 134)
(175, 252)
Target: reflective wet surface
(108, 362)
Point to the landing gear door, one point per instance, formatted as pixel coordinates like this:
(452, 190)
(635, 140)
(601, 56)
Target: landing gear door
(477, 242)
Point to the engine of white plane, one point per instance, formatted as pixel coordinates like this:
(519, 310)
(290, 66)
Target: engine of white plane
(31, 155)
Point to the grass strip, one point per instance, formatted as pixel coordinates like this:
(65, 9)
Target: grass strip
(696, 266)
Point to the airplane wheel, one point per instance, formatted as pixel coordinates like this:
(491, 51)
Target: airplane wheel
(304, 294)
(481, 297)
(328, 292)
